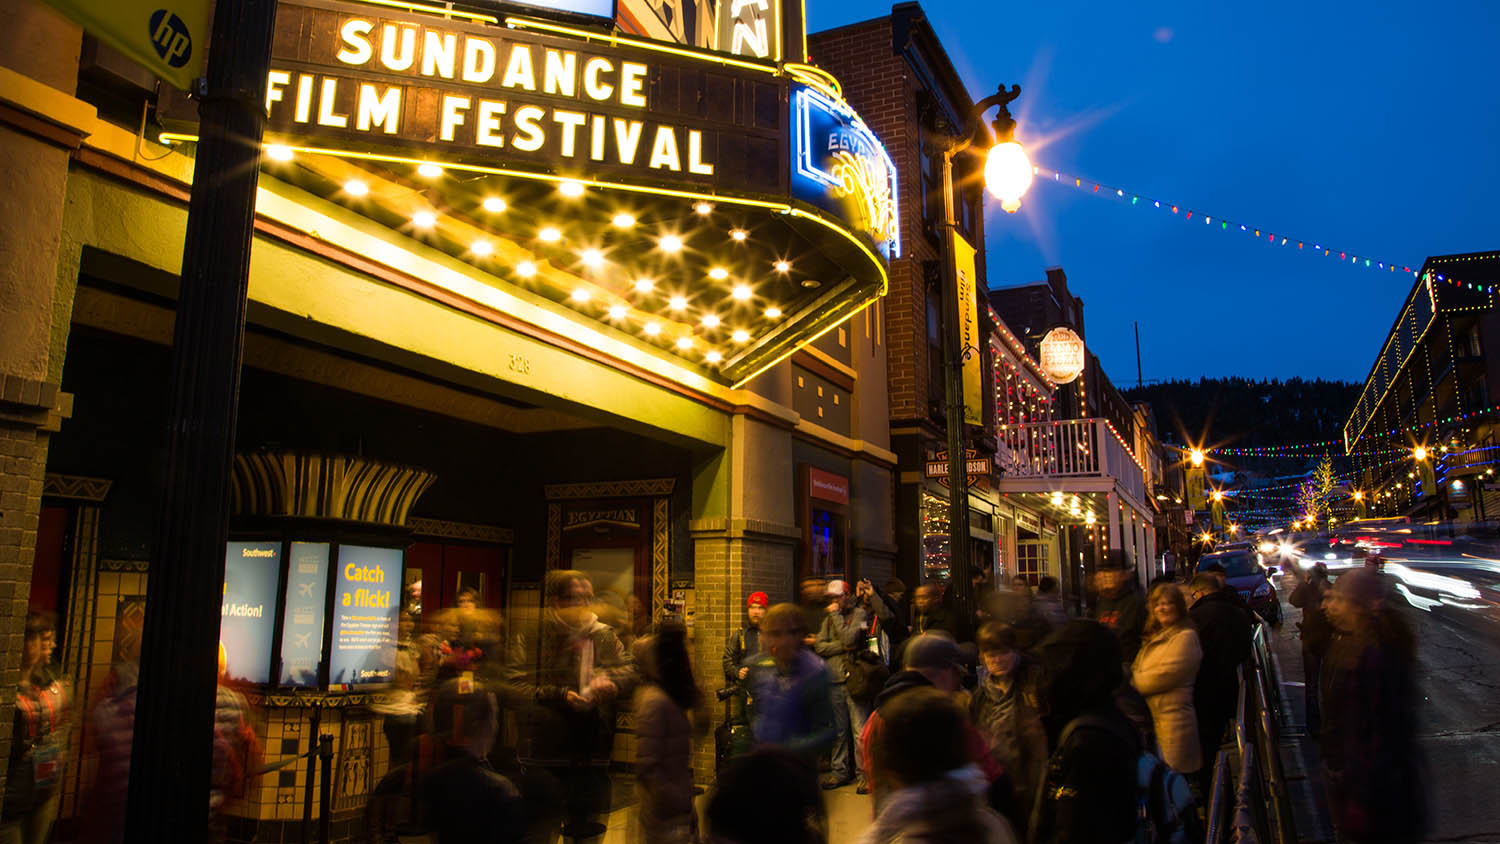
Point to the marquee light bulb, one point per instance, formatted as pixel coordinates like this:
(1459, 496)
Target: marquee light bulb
(549, 235)
(740, 336)
(651, 328)
(623, 221)
(783, 266)
(580, 294)
(677, 303)
(670, 243)
(742, 292)
(773, 312)
(712, 356)
(354, 187)
(1007, 173)
(684, 343)
(525, 269)
(710, 320)
(481, 248)
(570, 189)
(704, 208)
(428, 170)
(739, 235)
(644, 285)
(718, 273)
(592, 258)
(424, 219)
(278, 152)
(616, 311)
(494, 204)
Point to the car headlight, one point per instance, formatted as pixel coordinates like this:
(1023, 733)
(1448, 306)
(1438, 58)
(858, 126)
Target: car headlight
(1263, 590)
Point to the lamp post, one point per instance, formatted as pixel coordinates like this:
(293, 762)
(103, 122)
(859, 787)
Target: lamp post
(1007, 174)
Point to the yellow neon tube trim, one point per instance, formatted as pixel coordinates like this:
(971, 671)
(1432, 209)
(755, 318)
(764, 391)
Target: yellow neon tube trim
(852, 238)
(447, 12)
(660, 47)
(797, 348)
(817, 77)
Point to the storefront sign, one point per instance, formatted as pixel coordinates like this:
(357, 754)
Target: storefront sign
(827, 486)
(965, 275)
(1062, 354)
(511, 98)
(974, 465)
(622, 516)
(302, 621)
(252, 571)
(366, 611)
(168, 37)
(1028, 521)
(840, 166)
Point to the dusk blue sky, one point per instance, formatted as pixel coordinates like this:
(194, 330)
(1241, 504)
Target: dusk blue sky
(1372, 127)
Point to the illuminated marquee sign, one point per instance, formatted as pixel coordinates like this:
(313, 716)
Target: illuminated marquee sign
(750, 28)
(514, 97)
(839, 165)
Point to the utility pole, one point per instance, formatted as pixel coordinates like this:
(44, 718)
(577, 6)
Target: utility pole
(1139, 382)
(172, 757)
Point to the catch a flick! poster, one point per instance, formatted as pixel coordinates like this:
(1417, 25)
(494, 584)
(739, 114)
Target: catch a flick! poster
(366, 614)
(248, 615)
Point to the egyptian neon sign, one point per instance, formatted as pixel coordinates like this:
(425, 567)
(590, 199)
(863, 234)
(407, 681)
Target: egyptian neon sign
(839, 165)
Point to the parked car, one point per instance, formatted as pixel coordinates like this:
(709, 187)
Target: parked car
(1246, 572)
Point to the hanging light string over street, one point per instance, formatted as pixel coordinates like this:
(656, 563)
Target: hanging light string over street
(1268, 236)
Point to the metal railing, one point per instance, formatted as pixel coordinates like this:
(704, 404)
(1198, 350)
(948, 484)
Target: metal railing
(1260, 809)
(1069, 448)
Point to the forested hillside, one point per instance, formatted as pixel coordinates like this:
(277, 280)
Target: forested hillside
(1243, 413)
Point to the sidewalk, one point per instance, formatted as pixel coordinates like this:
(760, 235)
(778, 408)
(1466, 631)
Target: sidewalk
(1299, 748)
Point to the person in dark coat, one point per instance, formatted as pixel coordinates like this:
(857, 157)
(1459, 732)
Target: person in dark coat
(1371, 766)
(744, 644)
(1224, 633)
(1314, 631)
(466, 799)
(1120, 605)
(1088, 792)
(928, 612)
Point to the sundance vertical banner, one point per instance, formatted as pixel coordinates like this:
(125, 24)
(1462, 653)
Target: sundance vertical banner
(169, 37)
(965, 273)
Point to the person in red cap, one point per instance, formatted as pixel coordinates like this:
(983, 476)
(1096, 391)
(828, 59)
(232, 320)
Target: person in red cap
(744, 644)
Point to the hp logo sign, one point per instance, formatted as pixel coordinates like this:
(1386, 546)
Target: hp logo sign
(170, 37)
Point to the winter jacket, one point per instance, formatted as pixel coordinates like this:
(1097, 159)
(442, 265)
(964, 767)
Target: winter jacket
(468, 801)
(1088, 795)
(1050, 607)
(901, 681)
(663, 767)
(1124, 613)
(539, 675)
(1225, 634)
(1010, 721)
(1314, 629)
(1371, 765)
(793, 709)
(893, 621)
(945, 811)
(743, 646)
(1164, 672)
(842, 633)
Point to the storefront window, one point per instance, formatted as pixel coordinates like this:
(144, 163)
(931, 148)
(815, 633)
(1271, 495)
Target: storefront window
(935, 540)
(1031, 560)
(827, 543)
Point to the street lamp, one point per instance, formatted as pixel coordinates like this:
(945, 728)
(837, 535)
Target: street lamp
(1004, 178)
(1419, 453)
(1196, 457)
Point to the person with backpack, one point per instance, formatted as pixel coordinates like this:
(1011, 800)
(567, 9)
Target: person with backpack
(1088, 790)
(1164, 671)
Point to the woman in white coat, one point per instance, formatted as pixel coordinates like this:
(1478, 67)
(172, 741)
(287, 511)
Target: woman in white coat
(1164, 671)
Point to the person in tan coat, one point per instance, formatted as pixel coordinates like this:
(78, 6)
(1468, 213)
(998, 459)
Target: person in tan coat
(1164, 671)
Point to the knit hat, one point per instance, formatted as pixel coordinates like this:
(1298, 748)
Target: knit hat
(758, 599)
(837, 588)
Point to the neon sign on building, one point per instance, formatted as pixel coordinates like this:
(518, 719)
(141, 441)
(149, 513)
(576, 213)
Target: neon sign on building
(839, 165)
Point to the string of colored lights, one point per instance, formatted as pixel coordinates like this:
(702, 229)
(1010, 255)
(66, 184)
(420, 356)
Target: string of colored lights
(1227, 225)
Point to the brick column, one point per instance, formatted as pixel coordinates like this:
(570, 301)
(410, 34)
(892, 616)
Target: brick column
(42, 47)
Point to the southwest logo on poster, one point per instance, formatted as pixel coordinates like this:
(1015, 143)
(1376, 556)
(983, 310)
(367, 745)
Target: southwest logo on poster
(170, 37)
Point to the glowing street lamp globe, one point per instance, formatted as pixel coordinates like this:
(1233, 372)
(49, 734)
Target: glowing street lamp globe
(1196, 456)
(1007, 174)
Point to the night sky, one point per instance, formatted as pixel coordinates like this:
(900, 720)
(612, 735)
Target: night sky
(1373, 128)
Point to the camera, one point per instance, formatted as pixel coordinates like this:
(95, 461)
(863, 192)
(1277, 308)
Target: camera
(726, 694)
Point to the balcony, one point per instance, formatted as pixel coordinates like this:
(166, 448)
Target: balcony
(1032, 456)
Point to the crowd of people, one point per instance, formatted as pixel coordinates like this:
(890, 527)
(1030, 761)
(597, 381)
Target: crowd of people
(1011, 722)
